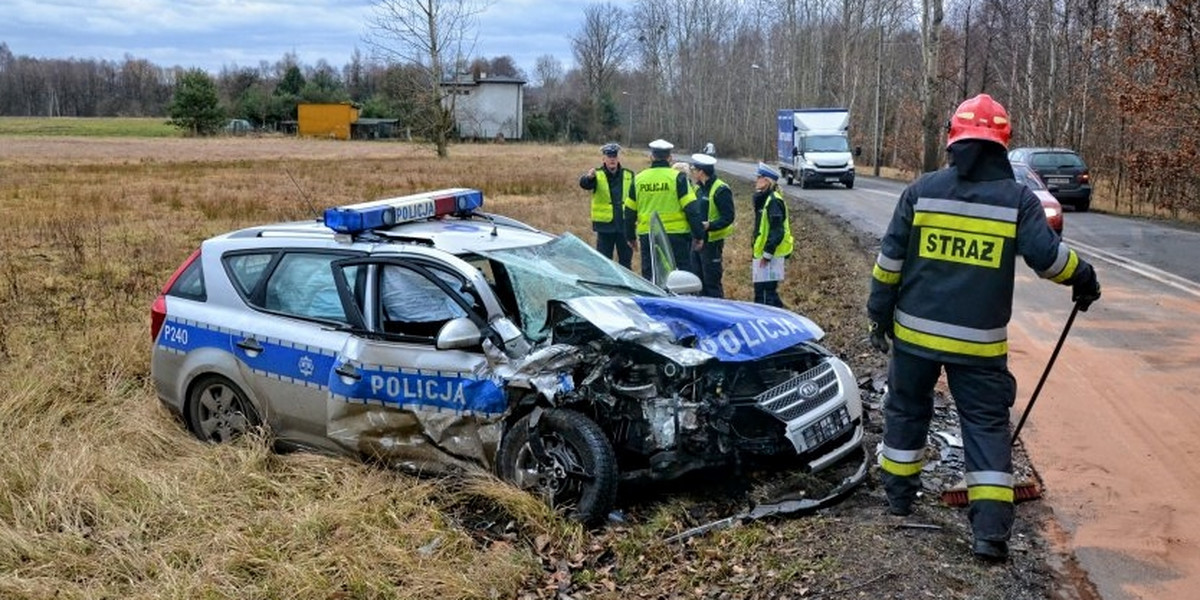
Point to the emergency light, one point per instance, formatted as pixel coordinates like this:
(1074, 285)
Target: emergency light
(365, 216)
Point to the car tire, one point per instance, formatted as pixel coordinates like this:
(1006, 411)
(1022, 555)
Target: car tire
(789, 179)
(849, 183)
(580, 474)
(1083, 205)
(218, 411)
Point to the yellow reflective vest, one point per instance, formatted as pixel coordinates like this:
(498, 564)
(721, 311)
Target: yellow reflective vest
(656, 192)
(714, 214)
(602, 203)
(764, 228)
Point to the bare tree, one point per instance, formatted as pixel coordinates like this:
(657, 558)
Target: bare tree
(436, 36)
(931, 111)
(601, 49)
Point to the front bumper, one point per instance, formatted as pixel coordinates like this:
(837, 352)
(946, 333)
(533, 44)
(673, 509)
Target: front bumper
(821, 410)
(826, 175)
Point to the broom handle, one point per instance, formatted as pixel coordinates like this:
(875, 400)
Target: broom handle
(1054, 355)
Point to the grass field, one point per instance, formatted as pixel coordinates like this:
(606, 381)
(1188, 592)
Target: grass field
(88, 127)
(106, 496)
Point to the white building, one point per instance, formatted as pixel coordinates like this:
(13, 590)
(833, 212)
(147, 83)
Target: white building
(488, 107)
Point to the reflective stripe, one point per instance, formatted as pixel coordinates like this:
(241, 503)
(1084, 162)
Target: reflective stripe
(945, 344)
(897, 468)
(967, 209)
(884, 276)
(990, 485)
(904, 456)
(889, 264)
(969, 334)
(902, 463)
(990, 492)
(968, 224)
(1067, 271)
(997, 478)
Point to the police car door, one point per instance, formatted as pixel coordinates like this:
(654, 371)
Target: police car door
(394, 393)
(662, 259)
(286, 349)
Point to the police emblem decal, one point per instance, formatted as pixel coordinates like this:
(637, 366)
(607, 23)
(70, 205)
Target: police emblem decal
(306, 366)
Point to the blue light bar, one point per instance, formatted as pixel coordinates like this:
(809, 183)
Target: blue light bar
(365, 216)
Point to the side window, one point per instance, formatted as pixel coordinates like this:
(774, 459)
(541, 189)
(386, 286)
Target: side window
(412, 303)
(246, 270)
(190, 283)
(302, 285)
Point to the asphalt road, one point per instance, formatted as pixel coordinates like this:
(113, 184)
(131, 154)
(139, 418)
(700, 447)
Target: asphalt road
(1115, 432)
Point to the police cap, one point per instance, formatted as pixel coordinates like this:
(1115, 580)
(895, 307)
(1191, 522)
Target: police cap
(765, 170)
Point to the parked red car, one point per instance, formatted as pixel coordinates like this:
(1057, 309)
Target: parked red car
(1054, 209)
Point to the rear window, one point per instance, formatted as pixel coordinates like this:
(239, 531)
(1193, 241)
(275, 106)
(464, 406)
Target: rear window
(190, 283)
(1054, 160)
(1027, 177)
(247, 270)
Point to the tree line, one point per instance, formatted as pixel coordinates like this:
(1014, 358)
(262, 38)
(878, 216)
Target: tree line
(1117, 80)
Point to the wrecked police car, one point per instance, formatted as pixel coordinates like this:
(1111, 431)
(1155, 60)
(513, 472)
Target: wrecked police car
(424, 333)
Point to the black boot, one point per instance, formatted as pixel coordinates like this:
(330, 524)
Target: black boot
(990, 550)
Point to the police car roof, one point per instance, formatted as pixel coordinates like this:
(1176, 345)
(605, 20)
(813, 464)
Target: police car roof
(454, 235)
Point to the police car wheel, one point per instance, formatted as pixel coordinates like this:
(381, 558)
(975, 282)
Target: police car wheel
(217, 411)
(577, 471)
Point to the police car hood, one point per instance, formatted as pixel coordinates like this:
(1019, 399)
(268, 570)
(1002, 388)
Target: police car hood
(692, 330)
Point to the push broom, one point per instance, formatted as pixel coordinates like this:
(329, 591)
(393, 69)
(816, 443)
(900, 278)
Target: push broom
(1024, 490)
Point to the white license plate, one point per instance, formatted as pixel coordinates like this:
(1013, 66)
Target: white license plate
(1058, 180)
(832, 180)
(827, 428)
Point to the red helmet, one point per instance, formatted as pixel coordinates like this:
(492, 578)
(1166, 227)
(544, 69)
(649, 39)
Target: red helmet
(980, 118)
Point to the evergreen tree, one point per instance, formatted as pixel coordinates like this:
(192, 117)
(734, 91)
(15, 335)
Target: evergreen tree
(195, 106)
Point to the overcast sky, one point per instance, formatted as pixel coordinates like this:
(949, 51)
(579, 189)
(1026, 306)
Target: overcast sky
(213, 33)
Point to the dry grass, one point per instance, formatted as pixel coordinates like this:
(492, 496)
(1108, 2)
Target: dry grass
(105, 496)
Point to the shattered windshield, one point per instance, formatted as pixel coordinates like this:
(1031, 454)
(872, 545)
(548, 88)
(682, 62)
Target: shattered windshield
(563, 269)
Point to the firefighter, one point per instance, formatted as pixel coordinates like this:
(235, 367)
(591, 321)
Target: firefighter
(663, 190)
(772, 236)
(714, 200)
(611, 185)
(941, 291)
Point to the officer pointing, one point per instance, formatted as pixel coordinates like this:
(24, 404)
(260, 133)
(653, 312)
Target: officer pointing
(942, 290)
(610, 185)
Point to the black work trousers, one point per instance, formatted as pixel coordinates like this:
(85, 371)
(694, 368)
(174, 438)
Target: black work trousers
(608, 242)
(767, 292)
(707, 263)
(983, 397)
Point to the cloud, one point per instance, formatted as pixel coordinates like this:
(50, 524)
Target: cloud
(211, 34)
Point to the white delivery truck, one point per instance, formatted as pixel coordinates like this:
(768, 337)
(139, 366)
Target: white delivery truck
(813, 147)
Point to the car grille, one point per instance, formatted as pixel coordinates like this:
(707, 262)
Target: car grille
(801, 393)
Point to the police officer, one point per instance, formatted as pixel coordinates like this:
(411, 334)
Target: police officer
(942, 289)
(663, 190)
(772, 234)
(611, 186)
(714, 200)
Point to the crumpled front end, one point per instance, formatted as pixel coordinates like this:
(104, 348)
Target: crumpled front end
(685, 383)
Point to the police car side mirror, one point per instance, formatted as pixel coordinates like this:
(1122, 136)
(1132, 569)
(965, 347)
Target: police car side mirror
(683, 282)
(459, 333)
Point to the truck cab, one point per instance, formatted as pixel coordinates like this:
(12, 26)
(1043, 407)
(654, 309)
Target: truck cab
(813, 146)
